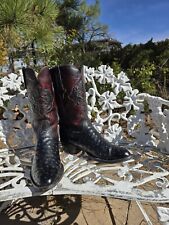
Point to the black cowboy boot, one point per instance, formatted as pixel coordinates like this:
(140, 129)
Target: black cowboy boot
(46, 170)
(76, 130)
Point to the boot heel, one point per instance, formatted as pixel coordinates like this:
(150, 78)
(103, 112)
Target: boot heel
(71, 149)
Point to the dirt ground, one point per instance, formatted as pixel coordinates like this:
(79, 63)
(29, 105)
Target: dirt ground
(76, 210)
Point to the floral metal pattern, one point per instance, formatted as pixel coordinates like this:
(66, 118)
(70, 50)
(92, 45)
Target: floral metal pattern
(123, 115)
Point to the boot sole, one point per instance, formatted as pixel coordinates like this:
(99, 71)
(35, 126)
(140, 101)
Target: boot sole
(73, 150)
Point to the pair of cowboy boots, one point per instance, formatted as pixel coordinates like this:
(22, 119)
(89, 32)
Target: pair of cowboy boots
(58, 96)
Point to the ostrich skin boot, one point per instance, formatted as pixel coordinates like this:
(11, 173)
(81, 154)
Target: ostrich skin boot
(76, 130)
(46, 169)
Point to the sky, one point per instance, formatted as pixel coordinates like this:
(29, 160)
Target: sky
(135, 21)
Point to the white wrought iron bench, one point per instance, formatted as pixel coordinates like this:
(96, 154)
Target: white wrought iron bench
(122, 114)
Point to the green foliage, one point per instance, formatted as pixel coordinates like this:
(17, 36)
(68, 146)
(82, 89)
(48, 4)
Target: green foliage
(69, 17)
(142, 78)
(29, 26)
(82, 30)
(116, 67)
(68, 31)
(147, 65)
(13, 20)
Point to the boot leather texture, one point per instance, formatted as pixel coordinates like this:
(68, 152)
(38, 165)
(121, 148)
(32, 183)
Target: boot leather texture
(76, 131)
(63, 86)
(46, 170)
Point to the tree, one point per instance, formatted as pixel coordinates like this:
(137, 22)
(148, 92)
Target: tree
(3, 52)
(28, 26)
(13, 20)
(83, 30)
(69, 17)
(162, 62)
(45, 32)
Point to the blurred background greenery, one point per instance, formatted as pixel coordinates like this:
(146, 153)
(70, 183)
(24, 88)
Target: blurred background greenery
(49, 32)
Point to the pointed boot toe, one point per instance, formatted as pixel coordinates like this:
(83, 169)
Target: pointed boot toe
(45, 178)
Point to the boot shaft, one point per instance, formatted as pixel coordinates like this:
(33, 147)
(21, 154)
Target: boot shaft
(42, 100)
(70, 94)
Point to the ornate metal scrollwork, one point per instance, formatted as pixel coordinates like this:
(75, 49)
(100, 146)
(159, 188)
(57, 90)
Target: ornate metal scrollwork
(121, 120)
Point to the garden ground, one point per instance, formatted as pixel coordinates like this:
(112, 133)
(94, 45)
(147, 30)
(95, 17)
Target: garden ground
(77, 210)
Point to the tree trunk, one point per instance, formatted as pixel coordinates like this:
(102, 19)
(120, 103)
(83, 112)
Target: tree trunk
(11, 63)
(33, 53)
